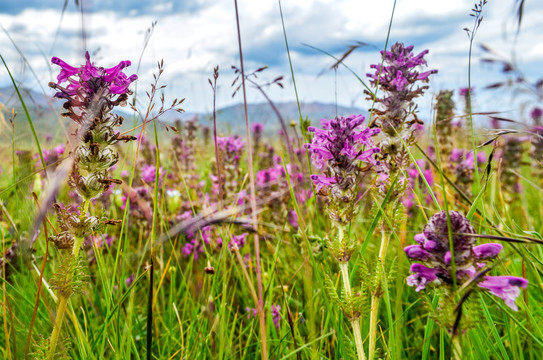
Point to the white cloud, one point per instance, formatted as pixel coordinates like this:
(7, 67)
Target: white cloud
(193, 42)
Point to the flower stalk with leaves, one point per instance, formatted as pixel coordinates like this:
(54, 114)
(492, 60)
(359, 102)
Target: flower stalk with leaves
(449, 259)
(339, 149)
(395, 114)
(91, 94)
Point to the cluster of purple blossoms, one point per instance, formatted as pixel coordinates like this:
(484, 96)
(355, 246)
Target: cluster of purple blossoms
(537, 115)
(273, 187)
(91, 94)
(338, 150)
(148, 173)
(90, 85)
(230, 150)
(434, 253)
(416, 182)
(395, 111)
(52, 156)
(275, 310)
(276, 315)
(232, 146)
(462, 166)
(398, 78)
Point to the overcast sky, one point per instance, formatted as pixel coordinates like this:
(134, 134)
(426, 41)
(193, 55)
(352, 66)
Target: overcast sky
(192, 37)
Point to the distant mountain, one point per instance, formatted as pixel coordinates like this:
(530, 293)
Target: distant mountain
(233, 116)
(229, 118)
(35, 101)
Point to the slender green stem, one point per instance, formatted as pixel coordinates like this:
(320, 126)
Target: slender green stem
(355, 323)
(61, 310)
(376, 296)
(456, 352)
(373, 324)
(260, 304)
(63, 298)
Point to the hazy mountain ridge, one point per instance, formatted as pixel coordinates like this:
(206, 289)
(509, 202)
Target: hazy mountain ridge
(228, 118)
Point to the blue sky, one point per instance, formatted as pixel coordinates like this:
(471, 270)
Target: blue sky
(194, 36)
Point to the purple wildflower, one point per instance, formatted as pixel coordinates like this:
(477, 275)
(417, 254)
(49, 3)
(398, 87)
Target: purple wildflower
(231, 145)
(487, 251)
(251, 312)
(89, 83)
(238, 240)
(148, 173)
(276, 315)
(337, 149)
(257, 128)
(397, 78)
(536, 114)
(465, 91)
(230, 151)
(421, 276)
(395, 113)
(129, 280)
(433, 250)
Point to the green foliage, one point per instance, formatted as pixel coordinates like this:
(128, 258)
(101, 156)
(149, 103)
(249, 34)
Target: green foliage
(41, 350)
(71, 276)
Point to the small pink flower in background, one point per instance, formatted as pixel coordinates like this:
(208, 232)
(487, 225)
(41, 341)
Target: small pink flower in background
(276, 315)
(251, 312)
(129, 280)
(257, 128)
(536, 114)
(238, 240)
(148, 173)
(464, 91)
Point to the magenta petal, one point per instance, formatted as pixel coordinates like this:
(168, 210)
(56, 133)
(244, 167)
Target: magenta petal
(420, 238)
(417, 252)
(486, 251)
(66, 69)
(506, 288)
(421, 276)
